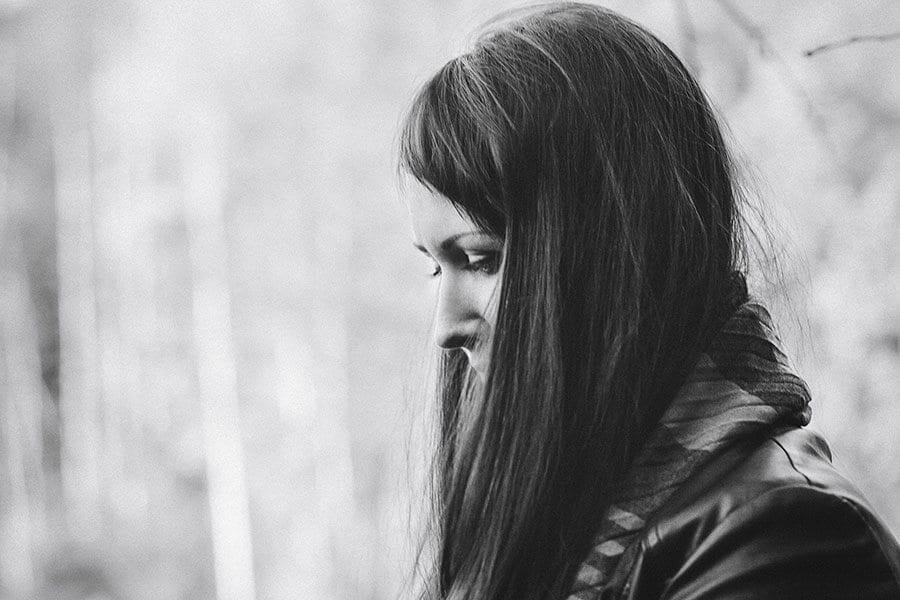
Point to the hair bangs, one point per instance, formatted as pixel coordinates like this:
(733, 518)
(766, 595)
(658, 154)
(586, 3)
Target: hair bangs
(447, 145)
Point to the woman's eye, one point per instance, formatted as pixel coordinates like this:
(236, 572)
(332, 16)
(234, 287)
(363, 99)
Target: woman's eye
(487, 263)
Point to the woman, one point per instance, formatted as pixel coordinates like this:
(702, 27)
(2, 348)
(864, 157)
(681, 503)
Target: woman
(617, 418)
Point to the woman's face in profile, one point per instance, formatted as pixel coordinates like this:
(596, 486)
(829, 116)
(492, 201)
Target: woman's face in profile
(467, 265)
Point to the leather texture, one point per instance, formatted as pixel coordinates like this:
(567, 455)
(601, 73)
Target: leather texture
(768, 518)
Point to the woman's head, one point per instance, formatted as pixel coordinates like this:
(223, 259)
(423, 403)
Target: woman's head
(581, 147)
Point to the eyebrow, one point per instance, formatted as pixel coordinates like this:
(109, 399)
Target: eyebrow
(451, 241)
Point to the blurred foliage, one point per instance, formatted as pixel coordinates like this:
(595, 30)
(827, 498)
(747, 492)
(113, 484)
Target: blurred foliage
(213, 327)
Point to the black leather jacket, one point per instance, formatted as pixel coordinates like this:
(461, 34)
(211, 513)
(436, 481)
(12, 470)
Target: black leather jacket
(769, 518)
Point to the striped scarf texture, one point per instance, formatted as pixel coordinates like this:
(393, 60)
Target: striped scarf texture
(741, 386)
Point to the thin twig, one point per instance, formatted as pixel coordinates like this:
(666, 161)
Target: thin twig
(886, 37)
(752, 30)
(767, 49)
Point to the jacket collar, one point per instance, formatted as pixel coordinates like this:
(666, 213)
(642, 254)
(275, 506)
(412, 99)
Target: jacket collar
(740, 386)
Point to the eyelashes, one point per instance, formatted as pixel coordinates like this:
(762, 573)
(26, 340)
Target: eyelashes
(485, 264)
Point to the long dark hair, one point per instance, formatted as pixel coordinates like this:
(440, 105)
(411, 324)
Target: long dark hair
(585, 144)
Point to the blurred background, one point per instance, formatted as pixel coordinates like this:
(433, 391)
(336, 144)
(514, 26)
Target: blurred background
(213, 325)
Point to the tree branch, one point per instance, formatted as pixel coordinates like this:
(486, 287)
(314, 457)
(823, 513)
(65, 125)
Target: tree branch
(886, 37)
(788, 78)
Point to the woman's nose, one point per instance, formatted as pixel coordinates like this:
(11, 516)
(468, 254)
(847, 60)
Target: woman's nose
(457, 318)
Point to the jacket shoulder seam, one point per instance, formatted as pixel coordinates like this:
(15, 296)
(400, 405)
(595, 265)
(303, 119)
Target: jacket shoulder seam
(791, 461)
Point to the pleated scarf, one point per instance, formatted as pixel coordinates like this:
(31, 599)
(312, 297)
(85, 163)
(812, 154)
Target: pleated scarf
(741, 386)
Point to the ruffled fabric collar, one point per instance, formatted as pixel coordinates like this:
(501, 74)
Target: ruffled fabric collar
(740, 386)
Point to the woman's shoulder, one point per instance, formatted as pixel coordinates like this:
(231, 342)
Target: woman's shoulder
(770, 517)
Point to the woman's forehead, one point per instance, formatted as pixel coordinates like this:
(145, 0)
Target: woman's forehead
(434, 218)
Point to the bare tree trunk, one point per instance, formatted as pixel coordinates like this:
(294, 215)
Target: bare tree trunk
(331, 434)
(111, 179)
(134, 299)
(21, 393)
(216, 365)
(311, 557)
(79, 390)
(330, 203)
